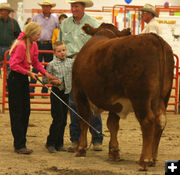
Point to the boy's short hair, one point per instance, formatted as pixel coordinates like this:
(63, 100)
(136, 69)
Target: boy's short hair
(56, 44)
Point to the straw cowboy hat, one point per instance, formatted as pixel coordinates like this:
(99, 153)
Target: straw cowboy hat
(149, 8)
(88, 3)
(47, 2)
(6, 6)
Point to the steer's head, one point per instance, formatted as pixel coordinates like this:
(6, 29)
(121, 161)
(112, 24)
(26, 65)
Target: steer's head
(105, 29)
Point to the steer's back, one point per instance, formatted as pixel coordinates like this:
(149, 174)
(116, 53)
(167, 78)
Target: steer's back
(130, 67)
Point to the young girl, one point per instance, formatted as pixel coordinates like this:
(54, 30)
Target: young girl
(23, 52)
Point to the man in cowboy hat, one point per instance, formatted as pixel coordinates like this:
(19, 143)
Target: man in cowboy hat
(9, 29)
(74, 38)
(148, 16)
(48, 23)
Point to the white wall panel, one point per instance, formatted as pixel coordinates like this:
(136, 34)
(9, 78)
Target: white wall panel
(3, 1)
(61, 4)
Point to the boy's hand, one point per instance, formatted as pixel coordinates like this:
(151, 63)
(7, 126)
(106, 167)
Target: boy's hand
(55, 82)
(50, 77)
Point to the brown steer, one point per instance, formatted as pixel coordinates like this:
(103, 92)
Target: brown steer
(121, 75)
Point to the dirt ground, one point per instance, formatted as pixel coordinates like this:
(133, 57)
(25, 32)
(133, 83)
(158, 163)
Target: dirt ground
(41, 162)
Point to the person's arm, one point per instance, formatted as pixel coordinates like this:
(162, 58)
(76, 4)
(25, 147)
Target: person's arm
(35, 61)
(17, 58)
(61, 28)
(38, 66)
(34, 18)
(55, 35)
(60, 34)
(54, 81)
(17, 29)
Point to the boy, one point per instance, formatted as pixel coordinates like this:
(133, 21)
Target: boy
(60, 67)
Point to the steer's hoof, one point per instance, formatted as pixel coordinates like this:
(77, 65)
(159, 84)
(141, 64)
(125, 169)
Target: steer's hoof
(114, 155)
(152, 163)
(142, 168)
(81, 153)
(143, 165)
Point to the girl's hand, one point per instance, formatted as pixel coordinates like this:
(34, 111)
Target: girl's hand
(32, 74)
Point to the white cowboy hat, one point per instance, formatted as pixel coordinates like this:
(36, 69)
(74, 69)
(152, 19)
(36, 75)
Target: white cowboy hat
(149, 8)
(47, 2)
(88, 3)
(6, 6)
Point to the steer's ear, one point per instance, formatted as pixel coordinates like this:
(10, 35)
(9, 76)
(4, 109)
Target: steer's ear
(124, 32)
(88, 29)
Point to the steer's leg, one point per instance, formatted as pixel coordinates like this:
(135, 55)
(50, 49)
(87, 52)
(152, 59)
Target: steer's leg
(113, 126)
(84, 111)
(146, 119)
(160, 123)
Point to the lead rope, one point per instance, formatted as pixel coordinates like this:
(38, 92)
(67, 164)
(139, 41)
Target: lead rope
(71, 109)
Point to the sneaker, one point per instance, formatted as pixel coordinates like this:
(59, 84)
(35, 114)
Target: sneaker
(23, 151)
(51, 149)
(60, 148)
(97, 147)
(73, 147)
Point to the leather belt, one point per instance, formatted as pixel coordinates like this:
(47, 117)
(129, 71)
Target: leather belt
(44, 42)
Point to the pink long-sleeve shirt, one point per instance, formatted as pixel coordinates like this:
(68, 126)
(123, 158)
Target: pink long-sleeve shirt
(18, 60)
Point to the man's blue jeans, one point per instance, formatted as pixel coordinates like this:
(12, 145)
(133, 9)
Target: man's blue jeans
(74, 125)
